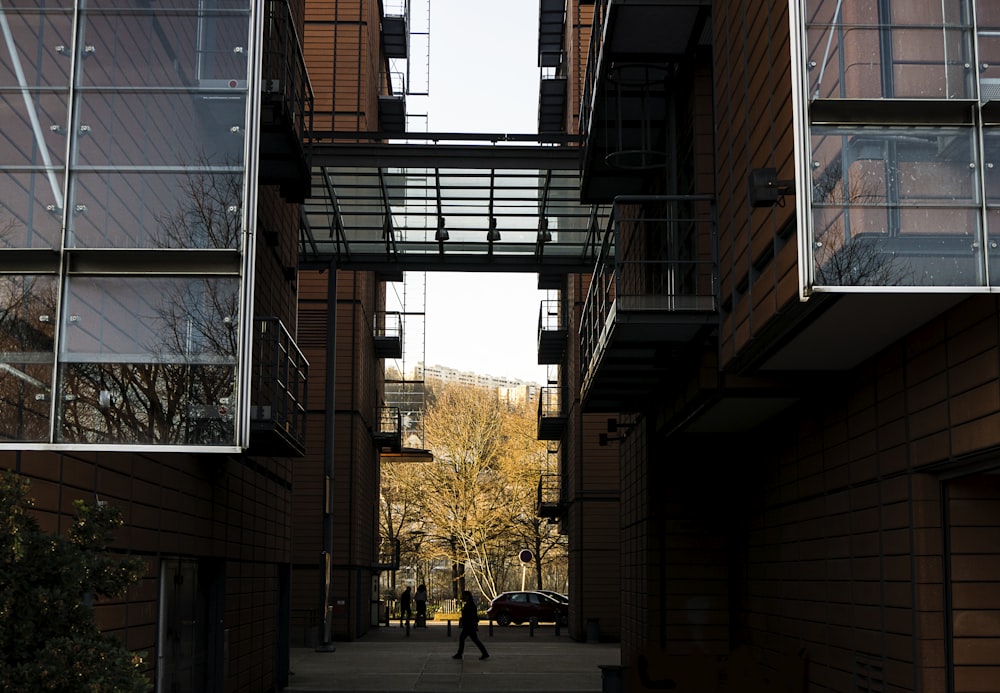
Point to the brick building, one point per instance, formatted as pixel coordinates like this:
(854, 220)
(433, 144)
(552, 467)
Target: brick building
(767, 230)
(799, 264)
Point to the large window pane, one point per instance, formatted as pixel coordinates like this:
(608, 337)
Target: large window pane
(900, 49)
(149, 361)
(154, 318)
(30, 62)
(27, 323)
(131, 129)
(197, 209)
(34, 128)
(200, 50)
(991, 170)
(30, 209)
(896, 207)
(147, 404)
(988, 23)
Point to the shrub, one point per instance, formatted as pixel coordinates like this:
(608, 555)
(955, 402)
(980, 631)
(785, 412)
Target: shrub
(49, 640)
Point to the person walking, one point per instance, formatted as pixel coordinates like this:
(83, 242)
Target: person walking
(405, 613)
(420, 597)
(470, 626)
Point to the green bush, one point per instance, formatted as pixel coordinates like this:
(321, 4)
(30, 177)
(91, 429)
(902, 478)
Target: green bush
(49, 640)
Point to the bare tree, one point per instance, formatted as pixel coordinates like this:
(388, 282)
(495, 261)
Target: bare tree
(478, 502)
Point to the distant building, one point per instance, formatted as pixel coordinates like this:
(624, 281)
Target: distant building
(512, 389)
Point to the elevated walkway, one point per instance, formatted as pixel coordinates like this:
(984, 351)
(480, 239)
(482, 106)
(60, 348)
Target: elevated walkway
(499, 203)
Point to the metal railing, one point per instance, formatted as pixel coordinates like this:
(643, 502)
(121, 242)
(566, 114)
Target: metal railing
(550, 403)
(283, 69)
(388, 325)
(593, 63)
(659, 254)
(389, 420)
(549, 316)
(549, 492)
(279, 379)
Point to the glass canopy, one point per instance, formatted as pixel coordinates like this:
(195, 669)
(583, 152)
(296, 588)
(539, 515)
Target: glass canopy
(475, 207)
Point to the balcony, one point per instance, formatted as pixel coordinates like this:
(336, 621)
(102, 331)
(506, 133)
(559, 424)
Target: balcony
(388, 335)
(552, 98)
(388, 433)
(550, 505)
(395, 36)
(551, 333)
(551, 417)
(551, 59)
(278, 392)
(392, 113)
(653, 292)
(286, 107)
(635, 48)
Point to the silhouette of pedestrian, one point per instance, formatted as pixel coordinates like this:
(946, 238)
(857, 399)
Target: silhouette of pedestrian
(420, 597)
(405, 613)
(470, 626)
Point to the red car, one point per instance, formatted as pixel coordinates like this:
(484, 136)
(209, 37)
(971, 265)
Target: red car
(520, 607)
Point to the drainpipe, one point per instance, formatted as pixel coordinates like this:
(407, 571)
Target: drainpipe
(329, 417)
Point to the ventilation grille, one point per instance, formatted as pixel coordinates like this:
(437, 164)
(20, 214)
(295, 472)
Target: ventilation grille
(989, 90)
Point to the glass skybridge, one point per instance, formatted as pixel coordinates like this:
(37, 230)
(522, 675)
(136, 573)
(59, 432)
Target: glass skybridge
(487, 206)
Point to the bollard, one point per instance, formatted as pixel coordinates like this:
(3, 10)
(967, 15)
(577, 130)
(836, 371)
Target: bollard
(531, 627)
(407, 627)
(491, 627)
(557, 627)
(449, 627)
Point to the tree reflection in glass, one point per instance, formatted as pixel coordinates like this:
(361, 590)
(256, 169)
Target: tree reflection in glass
(177, 386)
(27, 313)
(211, 218)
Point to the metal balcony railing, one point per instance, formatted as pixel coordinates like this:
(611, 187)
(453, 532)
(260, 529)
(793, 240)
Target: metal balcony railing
(593, 65)
(278, 397)
(389, 431)
(283, 69)
(388, 335)
(549, 496)
(658, 259)
(551, 418)
(552, 333)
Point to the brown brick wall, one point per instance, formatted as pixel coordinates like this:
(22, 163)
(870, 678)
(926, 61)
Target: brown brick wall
(236, 510)
(754, 130)
(580, 19)
(354, 481)
(341, 46)
(974, 538)
(591, 487)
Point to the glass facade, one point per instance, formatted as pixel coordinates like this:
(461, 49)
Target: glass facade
(899, 103)
(125, 136)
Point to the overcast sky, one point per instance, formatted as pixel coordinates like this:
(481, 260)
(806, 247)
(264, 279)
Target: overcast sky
(483, 78)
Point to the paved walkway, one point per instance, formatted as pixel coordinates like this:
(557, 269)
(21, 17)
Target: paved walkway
(388, 660)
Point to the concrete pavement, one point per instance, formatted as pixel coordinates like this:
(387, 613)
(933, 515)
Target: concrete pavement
(388, 660)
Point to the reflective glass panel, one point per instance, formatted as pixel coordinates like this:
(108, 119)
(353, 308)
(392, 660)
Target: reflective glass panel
(30, 209)
(988, 24)
(34, 128)
(147, 404)
(27, 325)
(155, 128)
(991, 169)
(30, 63)
(151, 318)
(197, 209)
(149, 360)
(189, 50)
(896, 207)
(898, 49)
